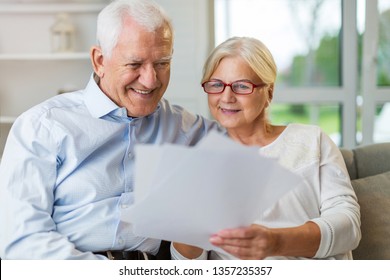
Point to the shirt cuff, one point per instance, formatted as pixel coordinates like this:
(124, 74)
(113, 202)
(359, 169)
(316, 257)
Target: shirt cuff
(327, 236)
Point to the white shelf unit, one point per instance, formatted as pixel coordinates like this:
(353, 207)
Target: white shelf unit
(30, 71)
(50, 7)
(44, 56)
(7, 120)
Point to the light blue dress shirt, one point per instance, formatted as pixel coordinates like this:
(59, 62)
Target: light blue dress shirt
(66, 174)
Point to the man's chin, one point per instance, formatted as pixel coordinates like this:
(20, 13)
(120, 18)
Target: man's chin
(141, 111)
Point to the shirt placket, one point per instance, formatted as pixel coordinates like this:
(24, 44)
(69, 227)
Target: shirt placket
(128, 161)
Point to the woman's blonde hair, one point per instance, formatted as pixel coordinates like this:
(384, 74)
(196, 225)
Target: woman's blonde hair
(251, 50)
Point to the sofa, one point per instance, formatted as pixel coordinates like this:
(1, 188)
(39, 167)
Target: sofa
(369, 170)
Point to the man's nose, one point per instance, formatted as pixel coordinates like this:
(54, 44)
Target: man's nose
(148, 76)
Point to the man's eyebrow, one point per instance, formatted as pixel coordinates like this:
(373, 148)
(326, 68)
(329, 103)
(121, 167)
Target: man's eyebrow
(140, 60)
(165, 58)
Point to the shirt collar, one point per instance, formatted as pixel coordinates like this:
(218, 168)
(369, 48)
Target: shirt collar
(97, 102)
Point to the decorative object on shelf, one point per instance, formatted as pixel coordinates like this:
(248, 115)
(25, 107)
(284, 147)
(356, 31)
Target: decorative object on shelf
(63, 33)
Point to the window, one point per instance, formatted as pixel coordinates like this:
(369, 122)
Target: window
(318, 52)
(312, 36)
(383, 52)
(376, 72)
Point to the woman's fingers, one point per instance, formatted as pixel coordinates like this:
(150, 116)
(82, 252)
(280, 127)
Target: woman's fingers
(244, 243)
(218, 240)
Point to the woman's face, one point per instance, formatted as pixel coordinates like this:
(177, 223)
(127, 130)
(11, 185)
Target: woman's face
(235, 111)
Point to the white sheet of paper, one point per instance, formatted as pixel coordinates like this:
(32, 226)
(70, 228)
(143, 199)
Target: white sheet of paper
(187, 194)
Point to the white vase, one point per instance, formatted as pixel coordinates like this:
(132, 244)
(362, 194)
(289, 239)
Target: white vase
(63, 34)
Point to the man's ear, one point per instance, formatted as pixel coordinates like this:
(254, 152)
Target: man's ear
(97, 60)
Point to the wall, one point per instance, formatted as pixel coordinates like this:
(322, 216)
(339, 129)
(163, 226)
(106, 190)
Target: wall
(193, 41)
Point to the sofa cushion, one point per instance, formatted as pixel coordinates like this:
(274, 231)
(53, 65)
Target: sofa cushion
(372, 159)
(349, 160)
(374, 198)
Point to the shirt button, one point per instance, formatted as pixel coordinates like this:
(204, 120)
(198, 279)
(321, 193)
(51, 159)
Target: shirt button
(124, 206)
(120, 241)
(130, 155)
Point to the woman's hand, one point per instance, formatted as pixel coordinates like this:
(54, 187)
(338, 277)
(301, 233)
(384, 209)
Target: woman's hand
(250, 243)
(258, 242)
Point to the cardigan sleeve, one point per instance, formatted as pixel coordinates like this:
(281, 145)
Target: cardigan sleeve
(339, 219)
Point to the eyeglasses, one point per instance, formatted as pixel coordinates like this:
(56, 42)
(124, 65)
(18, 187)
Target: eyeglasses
(238, 87)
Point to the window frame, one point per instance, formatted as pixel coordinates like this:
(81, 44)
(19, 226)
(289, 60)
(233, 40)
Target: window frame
(371, 93)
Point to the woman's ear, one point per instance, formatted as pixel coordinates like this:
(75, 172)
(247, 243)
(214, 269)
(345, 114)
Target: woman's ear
(270, 93)
(97, 60)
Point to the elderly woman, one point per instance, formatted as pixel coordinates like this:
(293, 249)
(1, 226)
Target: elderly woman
(320, 220)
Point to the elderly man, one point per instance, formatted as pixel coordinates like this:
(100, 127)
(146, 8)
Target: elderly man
(67, 169)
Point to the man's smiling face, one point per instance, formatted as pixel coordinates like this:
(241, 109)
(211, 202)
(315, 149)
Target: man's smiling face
(137, 74)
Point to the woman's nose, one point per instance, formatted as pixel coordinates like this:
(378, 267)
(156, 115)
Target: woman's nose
(228, 95)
